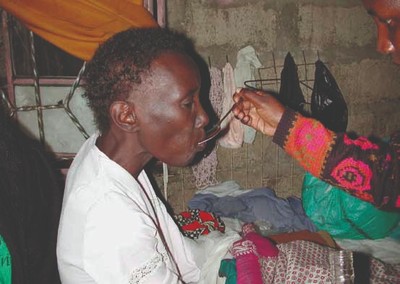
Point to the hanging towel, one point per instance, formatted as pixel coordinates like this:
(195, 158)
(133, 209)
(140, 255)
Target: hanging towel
(205, 171)
(233, 138)
(247, 62)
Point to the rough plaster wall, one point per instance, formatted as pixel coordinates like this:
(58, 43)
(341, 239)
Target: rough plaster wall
(340, 32)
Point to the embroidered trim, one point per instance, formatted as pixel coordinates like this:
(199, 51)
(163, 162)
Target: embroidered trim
(138, 275)
(243, 247)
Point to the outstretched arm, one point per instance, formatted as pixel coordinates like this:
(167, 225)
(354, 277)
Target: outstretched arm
(367, 170)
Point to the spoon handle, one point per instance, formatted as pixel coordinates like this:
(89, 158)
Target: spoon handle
(216, 129)
(228, 112)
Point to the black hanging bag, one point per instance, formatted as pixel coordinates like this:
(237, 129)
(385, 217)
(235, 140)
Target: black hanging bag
(327, 102)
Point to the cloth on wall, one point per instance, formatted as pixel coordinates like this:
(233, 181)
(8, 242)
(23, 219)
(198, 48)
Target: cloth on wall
(79, 27)
(290, 93)
(206, 170)
(233, 137)
(247, 62)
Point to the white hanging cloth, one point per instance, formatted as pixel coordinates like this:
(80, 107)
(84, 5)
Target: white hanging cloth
(235, 130)
(247, 62)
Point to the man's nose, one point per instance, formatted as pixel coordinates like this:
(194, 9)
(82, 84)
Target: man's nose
(202, 117)
(384, 44)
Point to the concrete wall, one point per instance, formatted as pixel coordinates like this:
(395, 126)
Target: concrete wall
(340, 33)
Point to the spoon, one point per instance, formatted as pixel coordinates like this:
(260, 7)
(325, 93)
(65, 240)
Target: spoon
(216, 129)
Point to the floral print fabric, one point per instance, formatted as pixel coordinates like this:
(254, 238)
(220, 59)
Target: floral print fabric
(194, 223)
(366, 169)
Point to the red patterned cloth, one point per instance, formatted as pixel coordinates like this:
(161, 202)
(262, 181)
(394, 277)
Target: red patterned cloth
(298, 262)
(367, 170)
(382, 273)
(195, 222)
(248, 251)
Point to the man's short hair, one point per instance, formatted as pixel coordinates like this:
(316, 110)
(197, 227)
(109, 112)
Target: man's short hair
(118, 63)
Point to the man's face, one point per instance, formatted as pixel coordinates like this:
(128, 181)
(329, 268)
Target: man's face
(168, 109)
(386, 14)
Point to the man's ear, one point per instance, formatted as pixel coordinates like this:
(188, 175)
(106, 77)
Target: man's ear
(123, 115)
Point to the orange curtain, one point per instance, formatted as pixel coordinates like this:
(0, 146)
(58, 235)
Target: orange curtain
(79, 26)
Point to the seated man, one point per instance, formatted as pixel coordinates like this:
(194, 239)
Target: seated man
(143, 87)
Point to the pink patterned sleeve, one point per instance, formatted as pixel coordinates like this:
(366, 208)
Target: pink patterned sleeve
(369, 170)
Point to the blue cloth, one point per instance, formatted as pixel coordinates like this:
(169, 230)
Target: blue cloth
(285, 215)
